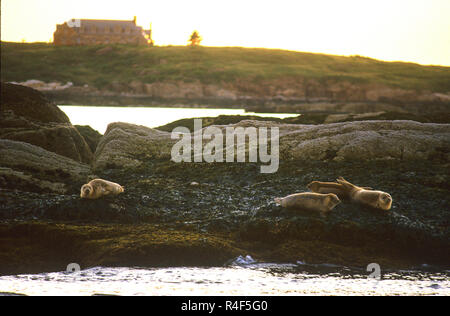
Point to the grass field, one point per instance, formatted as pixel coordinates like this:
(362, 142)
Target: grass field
(120, 63)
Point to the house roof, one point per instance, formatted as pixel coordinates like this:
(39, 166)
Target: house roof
(106, 23)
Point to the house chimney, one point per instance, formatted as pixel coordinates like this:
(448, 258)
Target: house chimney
(134, 20)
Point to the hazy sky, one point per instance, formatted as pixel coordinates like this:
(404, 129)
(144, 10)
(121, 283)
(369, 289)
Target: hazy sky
(406, 30)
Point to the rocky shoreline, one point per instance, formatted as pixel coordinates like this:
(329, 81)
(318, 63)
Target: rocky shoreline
(276, 96)
(181, 214)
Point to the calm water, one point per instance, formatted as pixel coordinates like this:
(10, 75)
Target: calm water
(99, 117)
(243, 279)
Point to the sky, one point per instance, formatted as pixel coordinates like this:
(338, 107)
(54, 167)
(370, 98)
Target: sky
(392, 30)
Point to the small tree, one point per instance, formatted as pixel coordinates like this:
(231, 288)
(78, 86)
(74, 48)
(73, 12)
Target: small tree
(195, 39)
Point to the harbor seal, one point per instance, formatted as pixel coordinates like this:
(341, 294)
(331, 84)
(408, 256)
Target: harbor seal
(98, 187)
(322, 203)
(330, 187)
(376, 199)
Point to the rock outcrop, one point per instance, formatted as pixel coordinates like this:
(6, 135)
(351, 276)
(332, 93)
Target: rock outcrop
(278, 95)
(43, 86)
(310, 90)
(90, 135)
(28, 105)
(367, 140)
(30, 168)
(127, 146)
(27, 116)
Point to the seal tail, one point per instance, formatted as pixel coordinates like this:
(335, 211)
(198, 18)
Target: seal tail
(277, 200)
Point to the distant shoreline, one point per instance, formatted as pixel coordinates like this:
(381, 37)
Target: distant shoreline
(220, 76)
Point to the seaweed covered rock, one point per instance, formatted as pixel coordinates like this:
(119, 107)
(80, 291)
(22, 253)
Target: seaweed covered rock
(235, 202)
(27, 116)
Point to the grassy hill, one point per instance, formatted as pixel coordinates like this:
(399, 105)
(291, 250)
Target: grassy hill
(100, 65)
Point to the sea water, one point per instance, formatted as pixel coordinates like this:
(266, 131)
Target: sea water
(98, 117)
(241, 278)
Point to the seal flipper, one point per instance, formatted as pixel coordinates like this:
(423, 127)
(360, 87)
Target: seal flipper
(342, 181)
(346, 184)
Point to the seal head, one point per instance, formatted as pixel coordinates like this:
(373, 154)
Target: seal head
(86, 190)
(384, 201)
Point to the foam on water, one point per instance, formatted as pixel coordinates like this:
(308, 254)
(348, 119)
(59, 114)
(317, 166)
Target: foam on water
(244, 276)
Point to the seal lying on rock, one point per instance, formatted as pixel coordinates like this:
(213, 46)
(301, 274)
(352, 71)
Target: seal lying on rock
(98, 187)
(376, 199)
(322, 203)
(330, 187)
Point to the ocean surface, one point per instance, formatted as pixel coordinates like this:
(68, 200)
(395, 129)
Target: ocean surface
(98, 117)
(242, 277)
